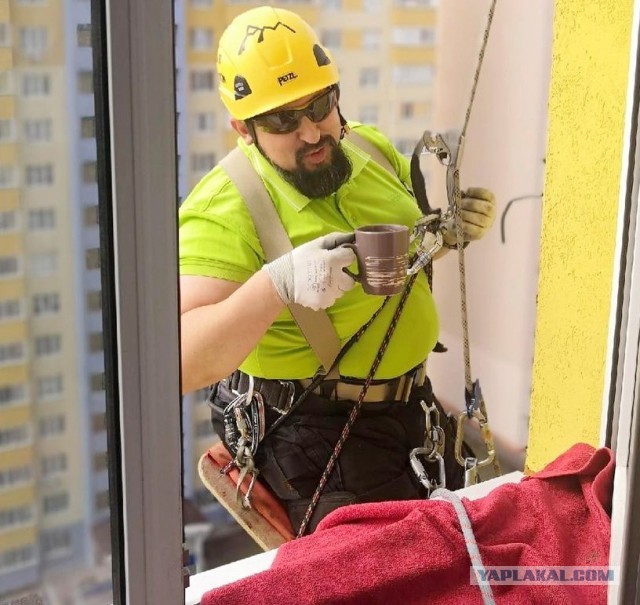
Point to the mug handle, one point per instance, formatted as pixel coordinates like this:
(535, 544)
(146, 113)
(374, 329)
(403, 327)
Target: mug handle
(351, 274)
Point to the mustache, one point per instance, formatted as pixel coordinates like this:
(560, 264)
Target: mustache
(326, 139)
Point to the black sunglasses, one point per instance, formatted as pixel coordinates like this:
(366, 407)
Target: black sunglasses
(288, 120)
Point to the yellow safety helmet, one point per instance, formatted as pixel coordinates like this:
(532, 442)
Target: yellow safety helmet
(268, 57)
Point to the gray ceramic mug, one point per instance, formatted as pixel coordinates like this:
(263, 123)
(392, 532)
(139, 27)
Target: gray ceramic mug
(383, 258)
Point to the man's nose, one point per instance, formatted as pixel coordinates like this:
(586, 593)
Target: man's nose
(308, 131)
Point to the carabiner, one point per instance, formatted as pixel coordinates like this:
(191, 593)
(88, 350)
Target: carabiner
(486, 434)
(418, 468)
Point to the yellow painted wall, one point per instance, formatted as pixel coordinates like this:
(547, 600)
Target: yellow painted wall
(585, 137)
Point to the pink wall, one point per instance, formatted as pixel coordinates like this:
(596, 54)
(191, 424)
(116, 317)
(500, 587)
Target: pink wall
(505, 149)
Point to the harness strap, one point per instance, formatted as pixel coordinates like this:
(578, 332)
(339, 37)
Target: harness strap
(372, 150)
(315, 326)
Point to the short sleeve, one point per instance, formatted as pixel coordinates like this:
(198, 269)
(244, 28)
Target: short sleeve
(216, 234)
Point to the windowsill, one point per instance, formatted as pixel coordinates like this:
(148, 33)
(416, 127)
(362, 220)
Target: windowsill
(225, 574)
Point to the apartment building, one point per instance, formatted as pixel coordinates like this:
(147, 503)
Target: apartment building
(54, 498)
(53, 482)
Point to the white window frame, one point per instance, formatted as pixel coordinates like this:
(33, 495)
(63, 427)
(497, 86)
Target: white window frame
(408, 35)
(51, 427)
(369, 114)
(198, 77)
(34, 41)
(18, 352)
(42, 264)
(36, 84)
(372, 38)
(54, 465)
(38, 130)
(9, 221)
(29, 519)
(27, 562)
(202, 162)
(16, 476)
(371, 6)
(11, 274)
(46, 345)
(63, 498)
(45, 304)
(621, 399)
(50, 387)
(416, 3)
(58, 550)
(26, 437)
(200, 38)
(8, 176)
(22, 400)
(412, 75)
(39, 175)
(11, 309)
(332, 38)
(7, 130)
(369, 77)
(40, 224)
(204, 122)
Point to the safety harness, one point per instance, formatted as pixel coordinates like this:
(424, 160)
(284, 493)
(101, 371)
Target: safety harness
(241, 436)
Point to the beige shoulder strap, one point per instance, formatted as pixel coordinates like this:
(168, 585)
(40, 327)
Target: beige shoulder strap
(372, 150)
(314, 325)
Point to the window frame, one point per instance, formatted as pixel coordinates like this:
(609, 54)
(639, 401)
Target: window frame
(137, 183)
(621, 394)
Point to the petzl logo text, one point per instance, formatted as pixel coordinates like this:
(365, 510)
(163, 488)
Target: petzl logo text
(286, 78)
(253, 30)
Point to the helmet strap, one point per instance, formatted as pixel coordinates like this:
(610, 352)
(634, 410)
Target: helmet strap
(344, 126)
(252, 129)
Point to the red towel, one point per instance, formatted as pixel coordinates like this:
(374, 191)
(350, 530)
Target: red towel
(414, 552)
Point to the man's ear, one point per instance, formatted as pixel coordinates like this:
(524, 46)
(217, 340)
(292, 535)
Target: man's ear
(241, 128)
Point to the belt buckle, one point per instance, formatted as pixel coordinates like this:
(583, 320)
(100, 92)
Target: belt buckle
(288, 384)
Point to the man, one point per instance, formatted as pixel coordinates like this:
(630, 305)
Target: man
(281, 88)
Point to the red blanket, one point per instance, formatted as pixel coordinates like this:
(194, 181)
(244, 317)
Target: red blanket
(414, 552)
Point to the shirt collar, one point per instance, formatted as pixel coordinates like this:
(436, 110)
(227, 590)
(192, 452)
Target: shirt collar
(279, 187)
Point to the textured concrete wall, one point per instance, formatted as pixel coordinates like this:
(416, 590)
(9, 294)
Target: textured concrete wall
(586, 118)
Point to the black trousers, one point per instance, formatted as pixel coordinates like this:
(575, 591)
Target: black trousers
(373, 465)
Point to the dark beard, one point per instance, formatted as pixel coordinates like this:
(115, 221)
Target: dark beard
(322, 181)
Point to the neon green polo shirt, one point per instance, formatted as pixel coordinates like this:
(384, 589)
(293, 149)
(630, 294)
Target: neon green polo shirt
(218, 239)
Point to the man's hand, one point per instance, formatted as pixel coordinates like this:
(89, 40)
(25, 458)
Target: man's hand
(477, 211)
(311, 275)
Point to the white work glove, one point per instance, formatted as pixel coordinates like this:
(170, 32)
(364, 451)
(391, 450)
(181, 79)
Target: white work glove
(477, 211)
(311, 275)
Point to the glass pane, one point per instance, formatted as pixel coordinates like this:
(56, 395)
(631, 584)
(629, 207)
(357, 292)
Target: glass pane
(408, 68)
(54, 493)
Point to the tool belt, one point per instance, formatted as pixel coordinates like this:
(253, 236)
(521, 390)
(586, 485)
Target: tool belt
(279, 394)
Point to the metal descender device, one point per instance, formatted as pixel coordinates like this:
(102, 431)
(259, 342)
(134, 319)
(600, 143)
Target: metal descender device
(244, 426)
(428, 229)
